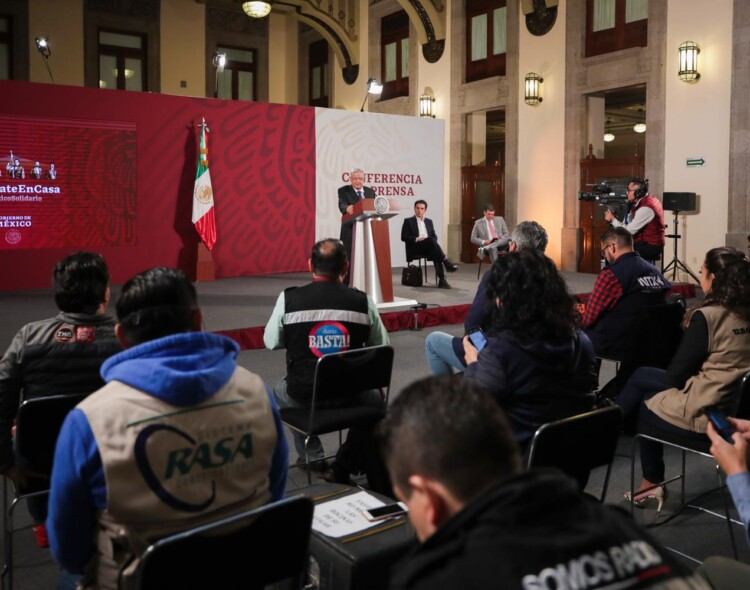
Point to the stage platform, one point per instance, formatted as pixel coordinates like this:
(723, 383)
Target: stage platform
(240, 307)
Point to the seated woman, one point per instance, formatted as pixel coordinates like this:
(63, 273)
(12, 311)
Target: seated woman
(713, 355)
(537, 364)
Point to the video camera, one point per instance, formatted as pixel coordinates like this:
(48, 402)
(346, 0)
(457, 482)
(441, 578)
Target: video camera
(607, 192)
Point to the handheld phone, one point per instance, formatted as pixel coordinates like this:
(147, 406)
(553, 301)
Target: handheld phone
(477, 338)
(721, 424)
(387, 511)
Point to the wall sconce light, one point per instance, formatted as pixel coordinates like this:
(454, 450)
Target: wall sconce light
(219, 60)
(688, 60)
(373, 87)
(42, 46)
(427, 103)
(639, 128)
(257, 8)
(532, 94)
(609, 137)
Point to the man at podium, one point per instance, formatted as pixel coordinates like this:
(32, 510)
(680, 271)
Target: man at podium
(349, 194)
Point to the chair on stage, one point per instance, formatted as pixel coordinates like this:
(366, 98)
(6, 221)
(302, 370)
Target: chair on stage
(37, 425)
(482, 255)
(578, 444)
(250, 550)
(741, 409)
(422, 262)
(337, 377)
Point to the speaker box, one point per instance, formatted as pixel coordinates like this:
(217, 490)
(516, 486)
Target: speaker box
(684, 202)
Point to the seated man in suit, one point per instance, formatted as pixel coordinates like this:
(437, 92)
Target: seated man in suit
(490, 233)
(178, 437)
(349, 195)
(420, 238)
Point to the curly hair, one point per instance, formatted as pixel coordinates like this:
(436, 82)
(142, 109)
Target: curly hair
(730, 287)
(534, 302)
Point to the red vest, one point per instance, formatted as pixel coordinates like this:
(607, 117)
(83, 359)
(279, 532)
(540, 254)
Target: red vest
(653, 233)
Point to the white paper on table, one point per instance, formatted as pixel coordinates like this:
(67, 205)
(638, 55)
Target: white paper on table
(343, 516)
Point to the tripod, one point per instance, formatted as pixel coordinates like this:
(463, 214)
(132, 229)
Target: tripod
(676, 263)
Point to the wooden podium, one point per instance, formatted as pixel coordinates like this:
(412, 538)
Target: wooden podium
(370, 266)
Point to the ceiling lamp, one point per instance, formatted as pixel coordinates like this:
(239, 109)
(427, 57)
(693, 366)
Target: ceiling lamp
(609, 137)
(639, 128)
(257, 8)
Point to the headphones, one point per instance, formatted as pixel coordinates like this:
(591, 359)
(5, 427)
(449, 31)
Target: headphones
(643, 190)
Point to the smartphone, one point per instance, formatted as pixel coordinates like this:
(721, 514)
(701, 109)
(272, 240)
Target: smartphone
(721, 424)
(383, 512)
(477, 338)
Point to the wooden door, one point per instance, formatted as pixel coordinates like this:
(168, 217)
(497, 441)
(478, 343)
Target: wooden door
(591, 214)
(479, 185)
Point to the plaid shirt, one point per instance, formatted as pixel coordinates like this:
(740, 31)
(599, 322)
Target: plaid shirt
(607, 291)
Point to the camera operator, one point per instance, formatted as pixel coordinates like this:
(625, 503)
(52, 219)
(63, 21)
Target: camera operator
(645, 222)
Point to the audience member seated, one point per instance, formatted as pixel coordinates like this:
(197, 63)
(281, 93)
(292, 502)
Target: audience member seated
(734, 459)
(320, 318)
(538, 366)
(446, 352)
(484, 523)
(625, 286)
(490, 233)
(418, 233)
(56, 356)
(180, 436)
(713, 355)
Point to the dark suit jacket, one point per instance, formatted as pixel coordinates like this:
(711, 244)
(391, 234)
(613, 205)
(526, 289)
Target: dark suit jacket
(348, 196)
(410, 233)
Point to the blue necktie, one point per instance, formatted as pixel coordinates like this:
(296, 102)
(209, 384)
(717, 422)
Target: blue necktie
(359, 194)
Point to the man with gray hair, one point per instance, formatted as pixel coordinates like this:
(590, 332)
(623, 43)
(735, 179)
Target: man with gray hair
(349, 195)
(445, 352)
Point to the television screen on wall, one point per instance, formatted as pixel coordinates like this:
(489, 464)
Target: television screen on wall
(66, 182)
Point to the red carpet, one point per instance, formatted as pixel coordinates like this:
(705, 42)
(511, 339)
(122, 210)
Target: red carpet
(252, 338)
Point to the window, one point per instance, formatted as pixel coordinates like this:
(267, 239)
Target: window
(318, 74)
(612, 25)
(238, 80)
(6, 45)
(485, 39)
(122, 61)
(394, 55)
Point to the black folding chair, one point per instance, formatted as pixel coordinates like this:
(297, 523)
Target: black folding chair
(247, 551)
(578, 444)
(338, 376)
(37, 425)
(741, 409)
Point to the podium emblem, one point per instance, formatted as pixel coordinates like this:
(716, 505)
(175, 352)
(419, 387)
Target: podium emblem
(382, 205)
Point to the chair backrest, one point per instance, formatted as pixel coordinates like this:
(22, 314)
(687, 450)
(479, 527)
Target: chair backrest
(578, 444)
(742, 402)
(341, 374)
(38, 423)
(249, 550)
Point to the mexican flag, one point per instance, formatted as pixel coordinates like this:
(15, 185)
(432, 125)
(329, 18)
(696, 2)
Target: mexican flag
(203, 195)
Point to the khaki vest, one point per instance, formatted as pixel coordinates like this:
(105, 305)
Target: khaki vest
(728, 359)
(171, 468)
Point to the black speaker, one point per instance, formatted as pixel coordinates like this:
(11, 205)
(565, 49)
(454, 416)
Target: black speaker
(684, 202)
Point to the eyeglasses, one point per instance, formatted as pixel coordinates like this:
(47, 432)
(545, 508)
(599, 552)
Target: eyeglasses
(601, 254)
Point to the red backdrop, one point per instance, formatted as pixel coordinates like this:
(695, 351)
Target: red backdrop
(262, 160)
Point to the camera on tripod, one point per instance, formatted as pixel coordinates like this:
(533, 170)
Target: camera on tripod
(610, 194)
(606, 193)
